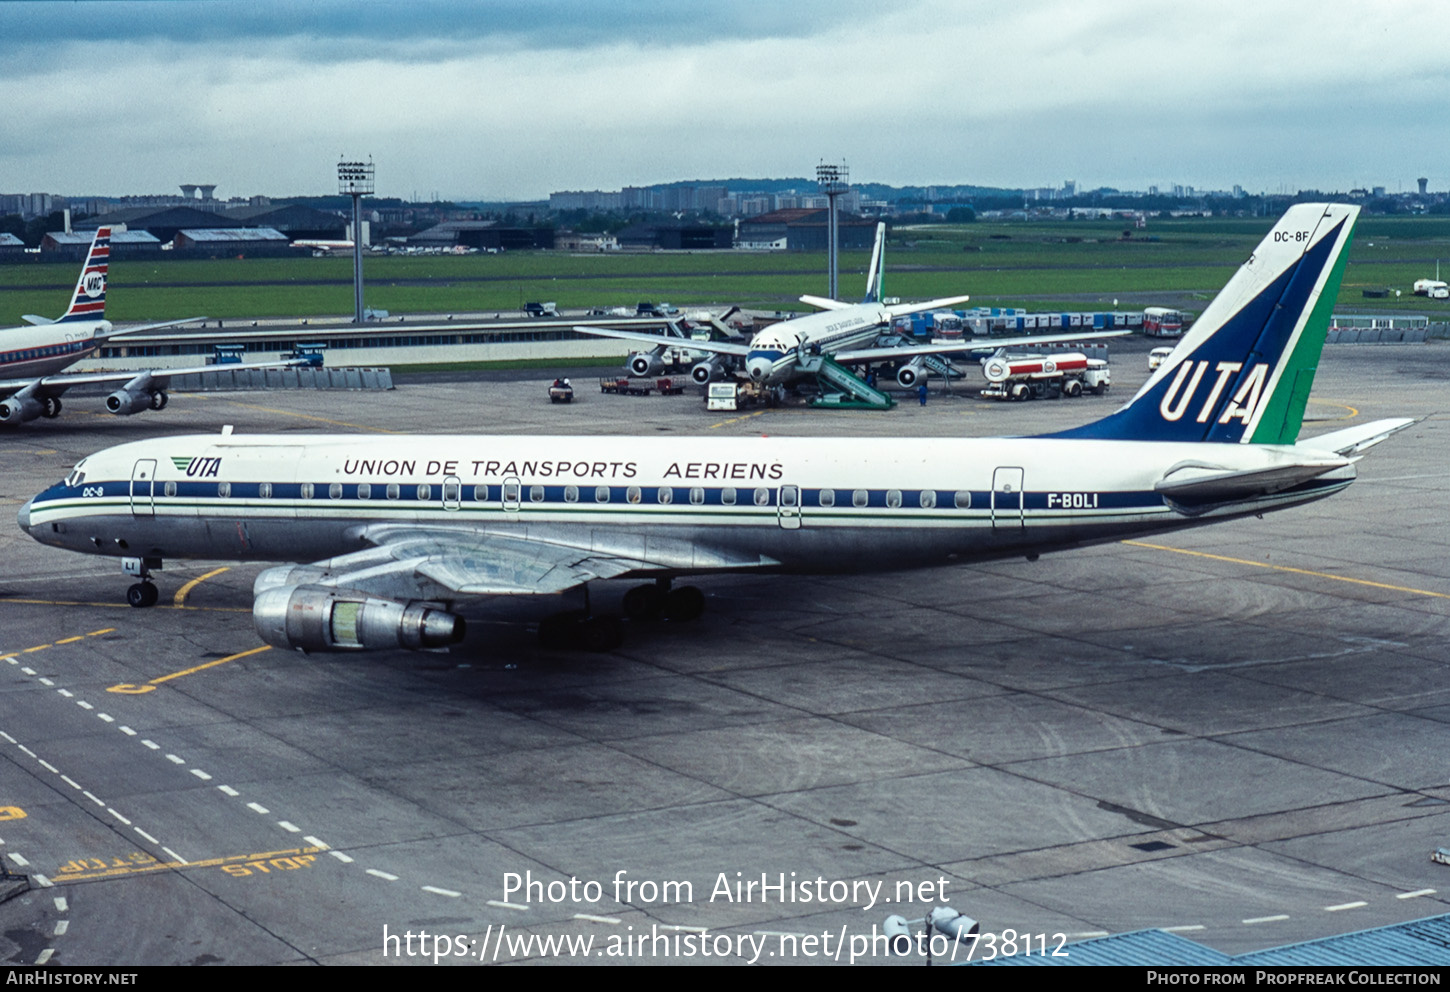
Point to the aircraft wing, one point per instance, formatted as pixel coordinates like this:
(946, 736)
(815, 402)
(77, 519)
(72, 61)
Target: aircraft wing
(974, 344)
(717, 347)
(55, 385)
(826, 303)
(115, 331)
(443, 562)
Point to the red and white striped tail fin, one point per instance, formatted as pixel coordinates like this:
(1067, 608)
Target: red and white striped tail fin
(89, 300)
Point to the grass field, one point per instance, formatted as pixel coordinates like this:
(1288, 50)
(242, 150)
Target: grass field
(1077, 265)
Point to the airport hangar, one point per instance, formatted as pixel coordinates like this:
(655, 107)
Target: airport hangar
(1236, 733)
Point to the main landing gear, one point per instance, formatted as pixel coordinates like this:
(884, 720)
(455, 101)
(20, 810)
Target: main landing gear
(143, 593)
(580, 629)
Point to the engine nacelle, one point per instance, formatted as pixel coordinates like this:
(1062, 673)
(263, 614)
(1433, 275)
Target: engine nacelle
(317, 618)
(123, 402)
(18, 409)
(644, 363)
(909, 374)
(707, 371)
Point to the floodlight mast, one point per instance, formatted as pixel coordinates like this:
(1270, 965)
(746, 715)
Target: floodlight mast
(355, 179)
(833, 180)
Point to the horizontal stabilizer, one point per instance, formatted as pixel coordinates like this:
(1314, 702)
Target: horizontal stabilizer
(38, 321)
(1353, 440)
(1195, 483)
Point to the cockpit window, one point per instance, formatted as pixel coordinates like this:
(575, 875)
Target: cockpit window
(76, 478)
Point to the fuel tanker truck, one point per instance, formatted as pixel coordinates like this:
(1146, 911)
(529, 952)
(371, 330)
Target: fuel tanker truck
(1027, 377)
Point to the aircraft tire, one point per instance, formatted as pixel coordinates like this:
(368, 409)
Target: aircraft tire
(599, 634)
(142, 594)
(159, 399)
(557, 631)
(644, 602)
(51, 407)
(684, 603)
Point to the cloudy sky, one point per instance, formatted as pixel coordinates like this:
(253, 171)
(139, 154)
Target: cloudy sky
(513, 99)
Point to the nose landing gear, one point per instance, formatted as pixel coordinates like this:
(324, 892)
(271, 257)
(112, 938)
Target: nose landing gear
(143, 593)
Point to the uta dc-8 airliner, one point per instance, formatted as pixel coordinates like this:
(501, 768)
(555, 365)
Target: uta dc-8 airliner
(403, 532)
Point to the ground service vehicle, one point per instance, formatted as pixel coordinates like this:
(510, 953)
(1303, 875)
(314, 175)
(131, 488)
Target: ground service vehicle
(1027, 377)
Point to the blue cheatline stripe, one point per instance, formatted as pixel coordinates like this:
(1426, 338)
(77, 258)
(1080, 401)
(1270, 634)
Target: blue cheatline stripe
(554, 496)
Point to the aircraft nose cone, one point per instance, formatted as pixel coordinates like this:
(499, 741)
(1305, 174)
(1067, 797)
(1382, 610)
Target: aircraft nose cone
(24, 517)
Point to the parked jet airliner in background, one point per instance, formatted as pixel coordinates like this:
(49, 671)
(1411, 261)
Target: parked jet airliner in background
(787, 351)
(39, 351)
(405, 529)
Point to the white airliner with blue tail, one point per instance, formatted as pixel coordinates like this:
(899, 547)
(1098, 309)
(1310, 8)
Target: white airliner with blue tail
(404, 530)
(37, 352)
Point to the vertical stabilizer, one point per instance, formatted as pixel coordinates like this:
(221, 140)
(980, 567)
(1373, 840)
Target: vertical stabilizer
(89, 300)
(877, 272)
(1243, 371)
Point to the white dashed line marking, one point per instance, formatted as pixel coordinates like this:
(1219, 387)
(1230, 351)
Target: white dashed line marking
(442, 892)
(1416, 894)
(341, 857)
(145, 836)
(61, 926)
(1267, 919)
(66, 693)
(1197, 926)
(92, 798)
(597, 919)
(383, 875)
(201, 774)
(42, 881)
(45, 955)
(1085, 934)
(84, 705)
(176, 857)
(127, 730)
(151, 744)
(228, 790)
(315, 842)
(507, 905)
(175, 760)
(26, 750)
(60, 904)
(12, 740)
(46, 681)
(70, 781)
(1344, 905)
(19, 860)
(27, 671)
(258, 808)
(289, 827)
(107, 717)
(48, 766)
(118, 816)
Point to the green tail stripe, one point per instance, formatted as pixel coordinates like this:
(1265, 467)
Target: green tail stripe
(1284, 411)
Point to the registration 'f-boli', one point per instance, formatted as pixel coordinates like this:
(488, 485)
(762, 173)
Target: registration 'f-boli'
(402, 531)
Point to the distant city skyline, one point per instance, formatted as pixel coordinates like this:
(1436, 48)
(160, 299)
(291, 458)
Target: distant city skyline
(514, 99)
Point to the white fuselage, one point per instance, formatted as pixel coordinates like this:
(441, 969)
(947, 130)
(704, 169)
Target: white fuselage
(776, 352)
(793, 504)
(48, 348)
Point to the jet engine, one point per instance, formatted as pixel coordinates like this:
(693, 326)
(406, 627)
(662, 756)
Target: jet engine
(123, 403)
(645, 363)
(20, 408)
(909, 374)
(318, 618)
(707, 371)
(139, 394)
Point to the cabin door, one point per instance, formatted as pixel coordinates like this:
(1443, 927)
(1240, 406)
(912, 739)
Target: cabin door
(143, 488)
(1007, 500)
(788, 507)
